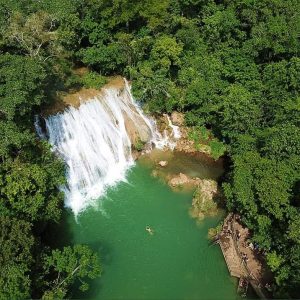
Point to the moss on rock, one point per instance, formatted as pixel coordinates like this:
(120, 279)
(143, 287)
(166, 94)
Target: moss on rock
(203, 200)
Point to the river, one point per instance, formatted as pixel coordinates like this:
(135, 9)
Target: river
(176, 262)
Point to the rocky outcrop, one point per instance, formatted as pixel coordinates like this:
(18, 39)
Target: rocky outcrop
(163, 163)
(187, 145)
(184, 143)
(182, 180)
(179, 180)
(203, 203)
(137, 130)
(203, 200)
(177, 118)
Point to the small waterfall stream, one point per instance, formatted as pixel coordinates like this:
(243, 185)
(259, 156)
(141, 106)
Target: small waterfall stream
(175, 129)
(95, 141)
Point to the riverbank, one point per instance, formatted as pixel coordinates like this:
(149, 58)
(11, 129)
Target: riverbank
(243, 258)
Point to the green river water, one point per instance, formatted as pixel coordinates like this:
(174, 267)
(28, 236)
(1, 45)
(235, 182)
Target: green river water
(176, 262)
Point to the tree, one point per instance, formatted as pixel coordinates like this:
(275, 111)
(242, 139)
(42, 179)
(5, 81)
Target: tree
(239, 111)
(66, 266)
(33, 34)
(16, 241)
(21, 86)
(12, 139)
(30, 190)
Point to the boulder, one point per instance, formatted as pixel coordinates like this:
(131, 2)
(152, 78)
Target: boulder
(137, 130)
(181, 179)
(203, 204)
(163, 163)
(177, 118)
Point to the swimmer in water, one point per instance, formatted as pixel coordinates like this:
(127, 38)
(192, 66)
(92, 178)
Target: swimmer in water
(149, 230)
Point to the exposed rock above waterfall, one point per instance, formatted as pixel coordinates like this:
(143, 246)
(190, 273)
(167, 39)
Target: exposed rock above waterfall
(64, 100)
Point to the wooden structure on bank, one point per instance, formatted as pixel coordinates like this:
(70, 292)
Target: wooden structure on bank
(232, 246)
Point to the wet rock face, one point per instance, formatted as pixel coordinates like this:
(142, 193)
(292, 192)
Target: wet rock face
(137, 130)
(144, 132)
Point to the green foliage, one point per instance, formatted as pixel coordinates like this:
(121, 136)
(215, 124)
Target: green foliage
(64, 267)
(93, 80)
(12, 138)
(21, 85)
(32, 34)
(198, 134)
(165, 52)
(29, 190)
(217, 149)
(261, 189)
(274, 261)
(237, 105)
(15, 258)
(231, 66)
(139, 145)
(31, 40)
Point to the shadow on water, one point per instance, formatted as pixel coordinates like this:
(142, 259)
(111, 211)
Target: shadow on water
(106, 251)
(58, 235)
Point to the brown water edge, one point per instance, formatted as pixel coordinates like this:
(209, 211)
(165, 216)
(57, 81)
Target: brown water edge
(194, 165)
(63, 100)
(192, 172)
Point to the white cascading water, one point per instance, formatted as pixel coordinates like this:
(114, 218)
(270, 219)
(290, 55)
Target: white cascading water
(175, 129)
(94, 142)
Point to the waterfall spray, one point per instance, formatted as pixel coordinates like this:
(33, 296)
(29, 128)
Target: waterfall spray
(94, 141)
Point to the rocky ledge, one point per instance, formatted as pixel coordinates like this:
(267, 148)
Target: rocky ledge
(206, 190)
(184, 143)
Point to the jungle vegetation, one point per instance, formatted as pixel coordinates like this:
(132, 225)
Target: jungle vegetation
(232, 66)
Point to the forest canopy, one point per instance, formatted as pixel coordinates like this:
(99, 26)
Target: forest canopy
(231, 66)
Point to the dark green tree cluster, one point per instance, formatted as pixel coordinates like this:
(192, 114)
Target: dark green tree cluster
(232, 66)
(29, 173)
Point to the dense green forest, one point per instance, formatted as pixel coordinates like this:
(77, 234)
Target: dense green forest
(231, 66)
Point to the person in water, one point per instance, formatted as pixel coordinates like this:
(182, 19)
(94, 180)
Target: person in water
(149, 230)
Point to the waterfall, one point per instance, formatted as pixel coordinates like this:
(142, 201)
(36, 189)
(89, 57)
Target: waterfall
(175, 129)
(95, 141)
